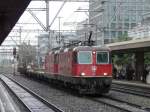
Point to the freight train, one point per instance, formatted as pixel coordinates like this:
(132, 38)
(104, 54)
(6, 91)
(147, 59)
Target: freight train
(86, 68)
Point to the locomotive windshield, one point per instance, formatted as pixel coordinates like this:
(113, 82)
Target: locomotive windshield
(85, 57)
(102, 58)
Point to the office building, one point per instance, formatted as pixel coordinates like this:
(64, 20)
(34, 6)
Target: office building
(113, 18)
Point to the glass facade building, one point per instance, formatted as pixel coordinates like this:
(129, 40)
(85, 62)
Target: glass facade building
(113, 18)
(142, 30)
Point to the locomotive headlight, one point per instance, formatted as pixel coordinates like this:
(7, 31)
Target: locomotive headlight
(82, 74)
(105, 74)
(94, 52)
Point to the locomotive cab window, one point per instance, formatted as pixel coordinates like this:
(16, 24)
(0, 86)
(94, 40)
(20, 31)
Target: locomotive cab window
(85, 57)
(102, 57)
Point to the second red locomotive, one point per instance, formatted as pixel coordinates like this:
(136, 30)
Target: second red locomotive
(85, 68)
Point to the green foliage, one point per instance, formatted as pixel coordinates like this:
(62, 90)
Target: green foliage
(27, 54)
(147, 58)
(122, 59)
(124, 37)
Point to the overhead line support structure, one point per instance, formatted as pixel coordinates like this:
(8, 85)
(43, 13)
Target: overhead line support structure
(36, 18)
(69, 0)
(47, 15)
(57, 13)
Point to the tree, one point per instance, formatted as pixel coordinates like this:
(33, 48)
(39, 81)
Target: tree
(26, 54)
(147, 58)
(122, 59)
(124, 37)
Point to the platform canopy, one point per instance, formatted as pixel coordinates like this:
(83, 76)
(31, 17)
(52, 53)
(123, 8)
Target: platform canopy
(131, 46)
(10, 12)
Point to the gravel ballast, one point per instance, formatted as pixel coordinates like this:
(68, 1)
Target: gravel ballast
(63, 99)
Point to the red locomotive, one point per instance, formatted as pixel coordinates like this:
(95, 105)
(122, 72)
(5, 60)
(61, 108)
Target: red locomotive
(85, 68)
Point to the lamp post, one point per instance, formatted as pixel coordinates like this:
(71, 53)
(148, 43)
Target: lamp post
(14, 54)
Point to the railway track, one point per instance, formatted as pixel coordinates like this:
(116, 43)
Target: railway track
(31, 101)
(119, 104)
(140, 91)
(122, 104)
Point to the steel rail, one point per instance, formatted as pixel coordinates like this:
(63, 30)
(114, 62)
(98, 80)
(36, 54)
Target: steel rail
(123, 105)
(131, 90)
(28, 109)
(50, 105)
(126, 102)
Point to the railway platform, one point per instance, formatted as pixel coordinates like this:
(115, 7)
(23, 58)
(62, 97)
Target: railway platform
(131, 87)
(132, 83)
(7, 104)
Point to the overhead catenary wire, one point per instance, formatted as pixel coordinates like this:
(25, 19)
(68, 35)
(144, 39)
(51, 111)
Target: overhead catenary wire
(57, 13)
(36, 18)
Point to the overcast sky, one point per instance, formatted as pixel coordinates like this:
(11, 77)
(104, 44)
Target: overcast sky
(68, 14)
